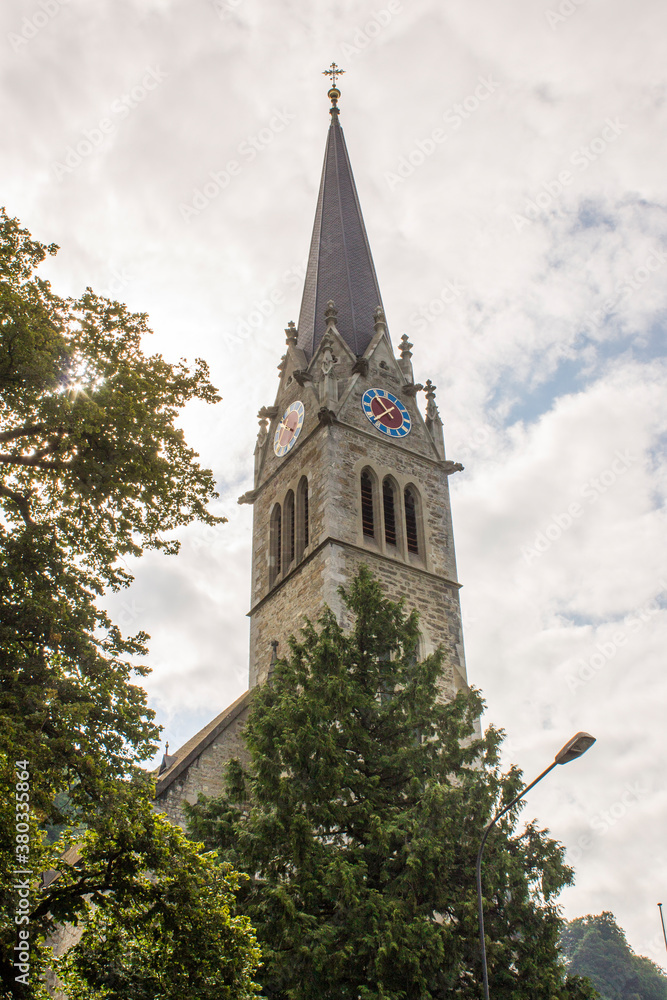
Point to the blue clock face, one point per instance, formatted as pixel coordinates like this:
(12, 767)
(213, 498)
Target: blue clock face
(386, 413)
(289, 428)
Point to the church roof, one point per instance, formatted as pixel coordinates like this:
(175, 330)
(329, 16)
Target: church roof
(189, 752)
(340, 264)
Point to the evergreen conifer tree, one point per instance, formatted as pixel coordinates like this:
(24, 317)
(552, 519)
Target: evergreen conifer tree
(358, 818)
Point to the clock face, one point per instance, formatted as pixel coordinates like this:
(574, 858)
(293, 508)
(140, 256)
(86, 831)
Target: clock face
(289, 428)
(386, 413)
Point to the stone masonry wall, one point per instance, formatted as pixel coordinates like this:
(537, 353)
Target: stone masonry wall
(205, 774)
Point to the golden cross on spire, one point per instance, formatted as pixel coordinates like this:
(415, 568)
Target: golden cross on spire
(333, 72)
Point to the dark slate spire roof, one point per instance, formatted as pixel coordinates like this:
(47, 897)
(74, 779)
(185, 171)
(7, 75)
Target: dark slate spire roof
(340, 265)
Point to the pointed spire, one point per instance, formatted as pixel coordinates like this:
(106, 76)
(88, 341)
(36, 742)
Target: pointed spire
(340, 264)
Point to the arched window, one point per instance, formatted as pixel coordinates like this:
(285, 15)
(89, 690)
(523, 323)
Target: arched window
(275, 544)
(389, 508)
(302, 526)
(289, 539)
(367, 511)
(411, 501)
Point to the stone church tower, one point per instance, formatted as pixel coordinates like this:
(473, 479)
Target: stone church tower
(347, 471)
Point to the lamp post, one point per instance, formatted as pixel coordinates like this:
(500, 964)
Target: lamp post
(577, 746)
(662, 920)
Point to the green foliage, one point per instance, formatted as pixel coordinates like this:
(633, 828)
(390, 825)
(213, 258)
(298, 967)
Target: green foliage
(167, 929)
(359, 818)
(596, 947)
(93, 469)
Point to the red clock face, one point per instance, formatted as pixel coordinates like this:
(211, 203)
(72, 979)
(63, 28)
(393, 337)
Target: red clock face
(386, 412)
(288, 428)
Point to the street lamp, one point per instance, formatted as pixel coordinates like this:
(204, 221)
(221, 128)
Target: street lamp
(577, 746)
(662, 920)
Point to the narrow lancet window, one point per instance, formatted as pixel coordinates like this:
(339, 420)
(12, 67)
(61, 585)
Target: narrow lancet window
(389, 507)
(411, 520)
(289, 529)
(275, 544)
(302, 528)
(367, 517)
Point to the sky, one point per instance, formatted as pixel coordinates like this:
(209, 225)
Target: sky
(510, 161)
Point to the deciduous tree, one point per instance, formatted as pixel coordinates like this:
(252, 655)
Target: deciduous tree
(93, 469)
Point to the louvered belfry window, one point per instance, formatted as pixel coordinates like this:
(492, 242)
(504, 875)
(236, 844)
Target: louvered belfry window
(301, 518)
(275, 544)
(367, 518)
(411, 526)
(305, 513)
(289, 529)
(389, 506)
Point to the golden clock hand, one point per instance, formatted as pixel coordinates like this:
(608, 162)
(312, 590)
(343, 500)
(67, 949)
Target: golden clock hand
(385, 411)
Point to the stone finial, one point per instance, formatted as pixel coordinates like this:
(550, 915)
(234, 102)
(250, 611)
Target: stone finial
(291, 334)
(265, 414)
(282, 365)
(263, 432)
(431, 405)
(330, 314)
(405, 347)
(380, 325)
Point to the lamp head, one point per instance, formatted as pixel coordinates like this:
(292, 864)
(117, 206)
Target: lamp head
(577, 746)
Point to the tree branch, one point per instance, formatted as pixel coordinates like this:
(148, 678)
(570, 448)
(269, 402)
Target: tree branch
(21, 501)
(24, 431)
(33, 461)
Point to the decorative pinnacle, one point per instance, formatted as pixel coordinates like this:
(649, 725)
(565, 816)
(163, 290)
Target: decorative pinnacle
(291, 334)
(380, 322)
(330, 314)
(431, 405)
(405, 347)
(334, 93)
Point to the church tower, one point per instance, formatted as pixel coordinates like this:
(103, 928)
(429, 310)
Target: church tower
(347, 471)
